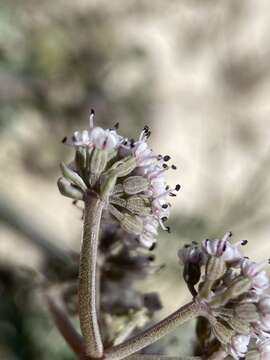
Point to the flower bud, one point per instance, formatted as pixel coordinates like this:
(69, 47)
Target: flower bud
(238, 325)
(73, 177)
(222, 332)
(247, 312)
(81, 159)
(138, 205)
(135, 184)
(253, 355)
(239, 286)
(98, 162)
(123, 167)
(215, 268)
(69, 190)
(132, 224)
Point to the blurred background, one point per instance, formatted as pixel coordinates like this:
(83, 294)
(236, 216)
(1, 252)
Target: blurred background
(197, 72)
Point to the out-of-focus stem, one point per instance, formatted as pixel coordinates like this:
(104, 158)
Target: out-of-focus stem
(87, 276)
(154, 333)
(64, 325)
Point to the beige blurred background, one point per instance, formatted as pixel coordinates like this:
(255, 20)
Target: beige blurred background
(197, 72)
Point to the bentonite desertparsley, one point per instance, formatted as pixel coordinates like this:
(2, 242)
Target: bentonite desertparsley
(122, 182)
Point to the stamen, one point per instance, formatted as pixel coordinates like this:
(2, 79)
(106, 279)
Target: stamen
(174, 167)
(116, 126)
(165, 166)
(152, 247)
(177, 187)
(168, 229)
(164, 206)
(64, 140)
(164, 218)
(166, 158)
(91, 118)
(244, 242)
(146, 128)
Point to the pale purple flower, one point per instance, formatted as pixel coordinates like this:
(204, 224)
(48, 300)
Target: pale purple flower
(191, 253)
(239, 346)
(104, 139)
(223, 247)
(264, 349)
(253, 270)
(264, 311)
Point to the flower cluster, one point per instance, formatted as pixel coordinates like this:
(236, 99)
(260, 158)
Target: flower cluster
(126, 174)
(234, 293)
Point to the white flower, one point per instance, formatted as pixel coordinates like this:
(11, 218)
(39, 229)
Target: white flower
(264, 310)
(104, 139)
(150, 232)
(191, 253)
(254, 271)
(80, 139)
(223, 247)
(239, 346)
(265, 350)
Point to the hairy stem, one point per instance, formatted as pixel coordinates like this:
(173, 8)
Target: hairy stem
(154, 333)
(87, 276)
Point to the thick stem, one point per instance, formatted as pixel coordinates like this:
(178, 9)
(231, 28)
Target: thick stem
(154, 333)
(87, 276)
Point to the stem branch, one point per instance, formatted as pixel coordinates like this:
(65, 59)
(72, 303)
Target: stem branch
(154, 333)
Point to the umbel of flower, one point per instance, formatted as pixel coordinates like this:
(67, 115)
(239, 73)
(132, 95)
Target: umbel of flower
(127, 176)
(234, 294)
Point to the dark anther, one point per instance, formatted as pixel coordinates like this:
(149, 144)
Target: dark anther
(116, 126)
(64, 140)
(167, 188)
(164, 218)
(177, 187)
(148, 134)
(194, 242)
(268, 261)
(230, 234)
(186, 246)
(165, 166)
(246, 257)
(132, 141)
(159, 157)
(92, 112)
(166, 158)
(125, 142)
(151, 258)
(168, 229)
(174, 167)
(244, 242)
(224, 247)
(146, 128)
(165, 206)
(74, 202)
(152, 247)
(172, 194)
